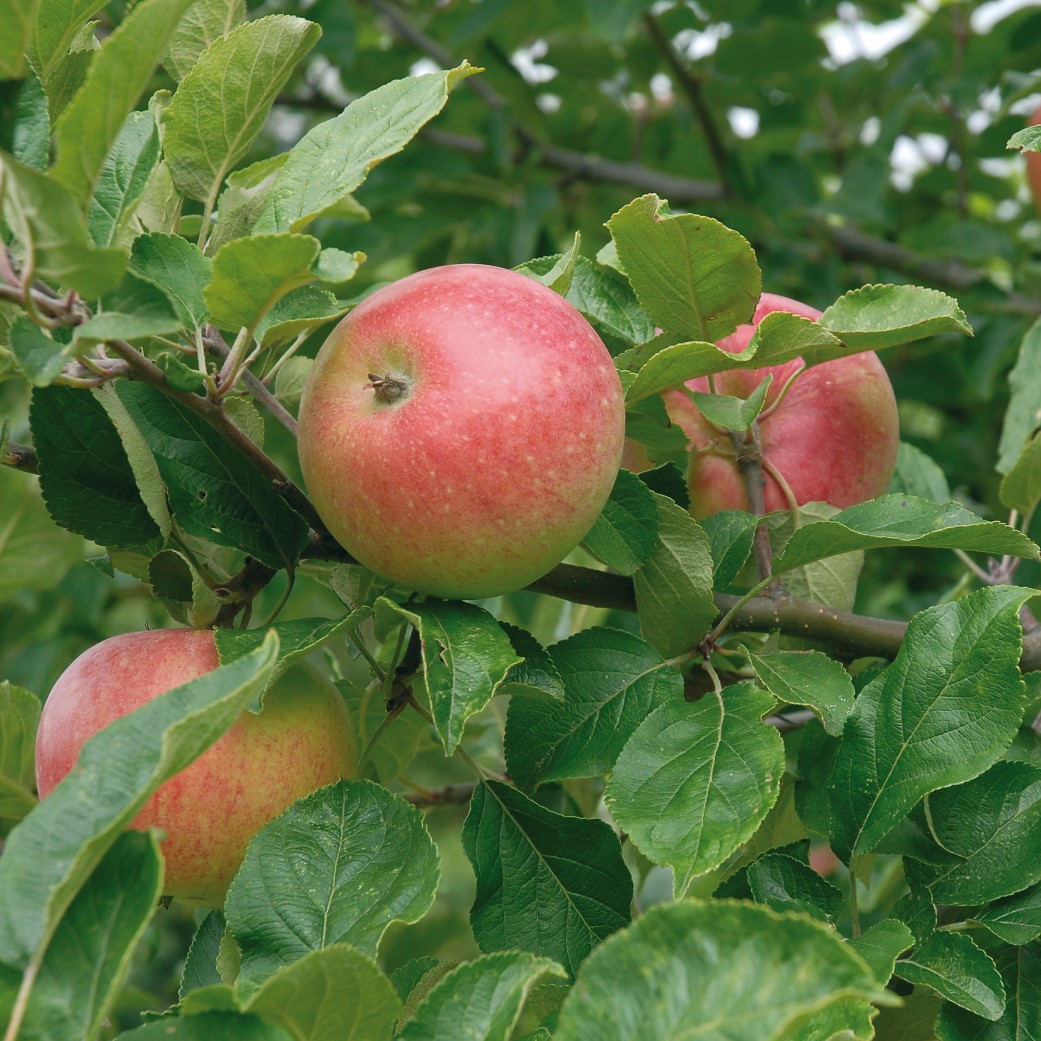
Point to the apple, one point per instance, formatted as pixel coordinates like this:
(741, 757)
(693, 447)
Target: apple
(303, 739)
(461, 430)
(832, 437)
(1034, 164)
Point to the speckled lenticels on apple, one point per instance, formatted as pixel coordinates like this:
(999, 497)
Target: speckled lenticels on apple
(461, 430)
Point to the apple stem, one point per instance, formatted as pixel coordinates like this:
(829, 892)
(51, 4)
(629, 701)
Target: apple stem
(748, 451)
(388, 388)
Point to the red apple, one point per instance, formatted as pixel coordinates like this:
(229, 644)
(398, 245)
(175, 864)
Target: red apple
(1034, 164)
(461, 431)
(302, 740)
(832, 438)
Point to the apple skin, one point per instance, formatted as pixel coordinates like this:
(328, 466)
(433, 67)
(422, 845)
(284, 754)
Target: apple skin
(833, 438)
(303, 739)
(1034, 164)
(498, 455)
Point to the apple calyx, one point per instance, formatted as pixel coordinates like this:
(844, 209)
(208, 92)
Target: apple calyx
(388, 388)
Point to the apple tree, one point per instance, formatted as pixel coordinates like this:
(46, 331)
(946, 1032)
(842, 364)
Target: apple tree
(726, 771)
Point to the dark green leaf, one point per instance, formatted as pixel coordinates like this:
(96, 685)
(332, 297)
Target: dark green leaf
(953, 966)
(808, 678)
(916, 474)
(1016, 919)
(214, 493)
(881, 945)
(625, 533)
(200, 967)
(992, 825)
(1023, 415)
(942, 713)
(1021, 488)
(466, 658)
(40, 358)
(525, 855)
(730, 535)
(209, 1026)
(339, 866)
(135, 309)
(611, 681)
(86, 478)
(696, 780)
(730, 413)
(899, 520)
(674, 588)
(297, 312)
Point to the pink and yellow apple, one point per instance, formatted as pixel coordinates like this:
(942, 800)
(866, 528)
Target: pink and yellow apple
(303, 739)
(833, 437)
(461, 431)
(1034, 164)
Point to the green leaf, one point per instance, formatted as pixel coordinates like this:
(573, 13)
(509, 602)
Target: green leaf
(626, 532)
(47, 221)
(730, 535)
(68, 75)
(1023, 415)
(942, 713)
(333, 994)
(123, 177)
(808, 678)
(250, 275)
(334, 157)
(19, 716)
(674, 588)
(916, 474)
(696, 780)
(1026, 140)
(30, 136)
(240, 203)
(953, 966)
(480, 1000)
(731, 413)
(17, 19)
(200, 966)
(339, 866)
(89, 957)
(54, 29)
(466, 656)
(210, 1026)
(177, 267)
(40, 358)
(695, 278)
(611, 681)
(1015, 919)
(297, 312)
(1020, 969)
(87, 130)
(687, 970)
(86, 478)
(537, 675)
(561, 273)
(34, 552)
(214, 493)
(524, 855)
(786, 884)
(134, 310)
(899, 520)
(992, 825)
(1021, 487)
(223, 101)
(49, 855)
(204, 22)
(874, 317)
(881, 945)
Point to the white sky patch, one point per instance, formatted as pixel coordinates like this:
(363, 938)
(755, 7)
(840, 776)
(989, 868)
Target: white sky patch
(695, 44)
(526, 62)
(661, 86)
(913, 155)
(743, 121)
(986, 16)
(851, 37)
(423, 67)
